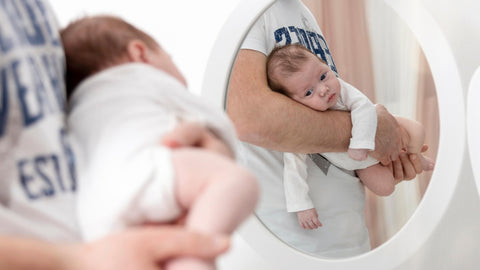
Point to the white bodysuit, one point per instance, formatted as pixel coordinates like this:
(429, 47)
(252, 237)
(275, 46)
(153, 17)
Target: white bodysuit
(117, 120)
(364, 126)
(339, 197)
(37, 173)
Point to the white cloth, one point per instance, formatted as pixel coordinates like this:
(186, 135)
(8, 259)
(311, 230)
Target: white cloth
(117, 120)
(363, 114)
(37, 182)
(338, 197)
(364, 122)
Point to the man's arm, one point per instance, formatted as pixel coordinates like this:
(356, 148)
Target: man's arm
(271, 120)
(141, 248)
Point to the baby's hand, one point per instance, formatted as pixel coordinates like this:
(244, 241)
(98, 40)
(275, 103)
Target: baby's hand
(358, 154)
(308, 219)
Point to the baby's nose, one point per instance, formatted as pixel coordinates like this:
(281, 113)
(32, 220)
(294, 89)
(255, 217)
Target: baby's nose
(323, 90)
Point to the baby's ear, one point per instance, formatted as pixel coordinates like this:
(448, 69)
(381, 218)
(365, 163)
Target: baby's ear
(137, 51)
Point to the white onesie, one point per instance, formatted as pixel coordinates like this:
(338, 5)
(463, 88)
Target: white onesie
(364, 126)
(117, 120)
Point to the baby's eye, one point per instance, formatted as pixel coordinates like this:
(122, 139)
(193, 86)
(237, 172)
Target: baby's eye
(324, 75)
(309, 92)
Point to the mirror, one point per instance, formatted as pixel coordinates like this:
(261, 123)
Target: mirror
(473, 130)
(427, 231)
(374, 50)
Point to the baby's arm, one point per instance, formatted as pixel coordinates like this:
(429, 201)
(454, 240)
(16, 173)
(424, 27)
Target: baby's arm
(295, 182)
(364, 122)
(296, 190)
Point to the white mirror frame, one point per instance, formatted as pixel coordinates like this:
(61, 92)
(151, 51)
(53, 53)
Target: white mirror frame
(473, 128)
(416, 232)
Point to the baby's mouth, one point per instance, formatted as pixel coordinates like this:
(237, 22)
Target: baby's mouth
(331, 97)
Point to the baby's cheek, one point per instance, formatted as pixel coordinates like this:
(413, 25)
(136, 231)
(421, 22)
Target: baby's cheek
(338, 87)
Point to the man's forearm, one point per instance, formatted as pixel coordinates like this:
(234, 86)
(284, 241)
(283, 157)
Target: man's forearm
(302, 130)
(284, 125)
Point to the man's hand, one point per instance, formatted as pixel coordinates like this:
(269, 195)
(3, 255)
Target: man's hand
(388, 141)
(146, 248)
(308, 219)
(193, 134)
(407, 166)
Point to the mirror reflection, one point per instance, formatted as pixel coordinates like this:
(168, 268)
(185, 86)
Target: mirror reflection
(360, 53)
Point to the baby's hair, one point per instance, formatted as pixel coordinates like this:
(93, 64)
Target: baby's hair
(93, 43)
(284, 61)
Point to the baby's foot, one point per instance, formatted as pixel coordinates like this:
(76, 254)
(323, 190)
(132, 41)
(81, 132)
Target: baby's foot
(190, 264)
(427, 163)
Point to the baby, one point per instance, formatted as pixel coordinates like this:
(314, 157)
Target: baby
(125, 95)
(299, 74)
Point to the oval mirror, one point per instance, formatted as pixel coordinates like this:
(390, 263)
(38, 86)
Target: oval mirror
(402, 42)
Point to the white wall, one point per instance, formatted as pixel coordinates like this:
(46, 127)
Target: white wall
(187, 29)
(461, 25)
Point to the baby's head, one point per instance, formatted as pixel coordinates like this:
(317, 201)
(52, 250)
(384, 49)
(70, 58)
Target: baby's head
(296, 72)
(95, 43)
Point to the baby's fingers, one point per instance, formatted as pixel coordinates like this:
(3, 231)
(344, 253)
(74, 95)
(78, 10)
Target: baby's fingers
(317, 223)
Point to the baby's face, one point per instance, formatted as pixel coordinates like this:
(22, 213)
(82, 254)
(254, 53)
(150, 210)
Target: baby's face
(160, 59)
(315, 85)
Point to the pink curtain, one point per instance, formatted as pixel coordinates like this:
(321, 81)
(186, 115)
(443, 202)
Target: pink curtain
(344, 26)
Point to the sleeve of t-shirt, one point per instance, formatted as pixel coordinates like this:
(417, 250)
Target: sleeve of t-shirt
(364, 117)
(295, 182)
(255, 39)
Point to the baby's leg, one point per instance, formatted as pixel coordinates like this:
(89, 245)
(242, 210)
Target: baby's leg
(217, 193)
(416, 134)
(379, 179)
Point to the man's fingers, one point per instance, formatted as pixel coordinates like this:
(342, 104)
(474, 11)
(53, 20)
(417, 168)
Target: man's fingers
(397, 169)
(192, 134)
(170, 142)
(416, 163)
(409, 171)
(185, 134)
(386, 161)
(395, 155)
